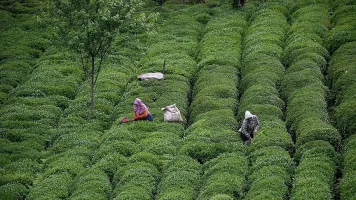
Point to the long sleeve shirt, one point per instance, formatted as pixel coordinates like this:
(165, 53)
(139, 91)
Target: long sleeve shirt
(250, 126)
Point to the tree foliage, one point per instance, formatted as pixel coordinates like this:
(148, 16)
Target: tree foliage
(89, 27)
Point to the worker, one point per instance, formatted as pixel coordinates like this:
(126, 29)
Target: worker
(141, 111)
(249, 127)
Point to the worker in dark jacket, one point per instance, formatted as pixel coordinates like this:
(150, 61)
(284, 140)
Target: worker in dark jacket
(249, 127)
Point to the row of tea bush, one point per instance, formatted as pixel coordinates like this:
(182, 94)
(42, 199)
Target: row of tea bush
(305, 93)
(211, 137)
(24, 39)
(67, 167)
(152, 148)
(262, 70)
(341, 41)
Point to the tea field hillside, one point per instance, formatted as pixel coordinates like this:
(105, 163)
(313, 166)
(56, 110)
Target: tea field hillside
(290, 62)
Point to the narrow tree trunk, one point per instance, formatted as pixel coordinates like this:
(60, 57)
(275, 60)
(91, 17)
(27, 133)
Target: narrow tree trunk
(92, 82)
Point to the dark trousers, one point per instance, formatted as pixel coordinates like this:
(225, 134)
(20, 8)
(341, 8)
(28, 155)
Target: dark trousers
(149, 117)
(244, 138)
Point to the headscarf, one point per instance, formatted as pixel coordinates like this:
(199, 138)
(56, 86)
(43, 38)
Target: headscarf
(140, 107)
(248, 114)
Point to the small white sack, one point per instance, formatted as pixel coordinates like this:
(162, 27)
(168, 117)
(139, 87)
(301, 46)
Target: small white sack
(150, 76)
(172, 114)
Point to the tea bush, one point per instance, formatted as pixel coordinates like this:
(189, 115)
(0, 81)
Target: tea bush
(224, 174)
(91, 183)
(55, 186)
(13, 191)
(314, 177)
(138, 178)
(307, 114)
(344, 27)
(262, 72)
(348, 168)
(342, 83)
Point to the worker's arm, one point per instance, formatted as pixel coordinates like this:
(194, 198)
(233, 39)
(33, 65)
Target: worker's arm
(244, 130)
(257, 124)
(142, 116)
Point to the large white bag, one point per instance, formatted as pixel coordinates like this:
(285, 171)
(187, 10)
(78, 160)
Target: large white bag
(150, 76)
(172, 114)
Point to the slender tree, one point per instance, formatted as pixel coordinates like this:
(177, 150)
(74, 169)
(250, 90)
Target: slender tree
(89, 27)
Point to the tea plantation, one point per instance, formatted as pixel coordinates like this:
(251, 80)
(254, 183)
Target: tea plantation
(290, 62)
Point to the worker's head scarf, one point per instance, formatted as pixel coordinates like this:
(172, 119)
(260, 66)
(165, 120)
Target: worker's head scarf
(248, 115)
(139, 107)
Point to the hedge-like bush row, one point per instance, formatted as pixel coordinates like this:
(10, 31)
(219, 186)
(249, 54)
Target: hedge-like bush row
(347, 184)
(215, 90)
(342, 77)
(306, 116)
(224, 175)
(315, 174)
(303, 85)
(23, 42)
(79, 130)
(153, 143)
(271, 164)
(29, 119)
(180, 179)
(343, 30)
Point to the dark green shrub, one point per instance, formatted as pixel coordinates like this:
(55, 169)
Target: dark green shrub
(259, 94)
(199, 148)
(340, 35)
(224, 163)
(56, 186)
(222, 183)
(110, 163)
(161, 143)
(221, 197)
(178, 183)
(91, 181)
(13, 191)
(259, 77)
(133, 193)
(88, 139)
(182, 162)
(271, 49)
(314, 176)
(203, 104)
(347, 182)
(318, 147)
(20, 171)
(176, 194)
(271, 134)
(305, 3)
(140, 176)
(218, 91)
(347, 185)
(317, 166)
(126, 148)
(272, 171)
(72, 164)
(272, 186)
(272, 155)
(312, 128)
(296, 48)
(310, 188)
(344, 15)
(263, 111)
(262, 62)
